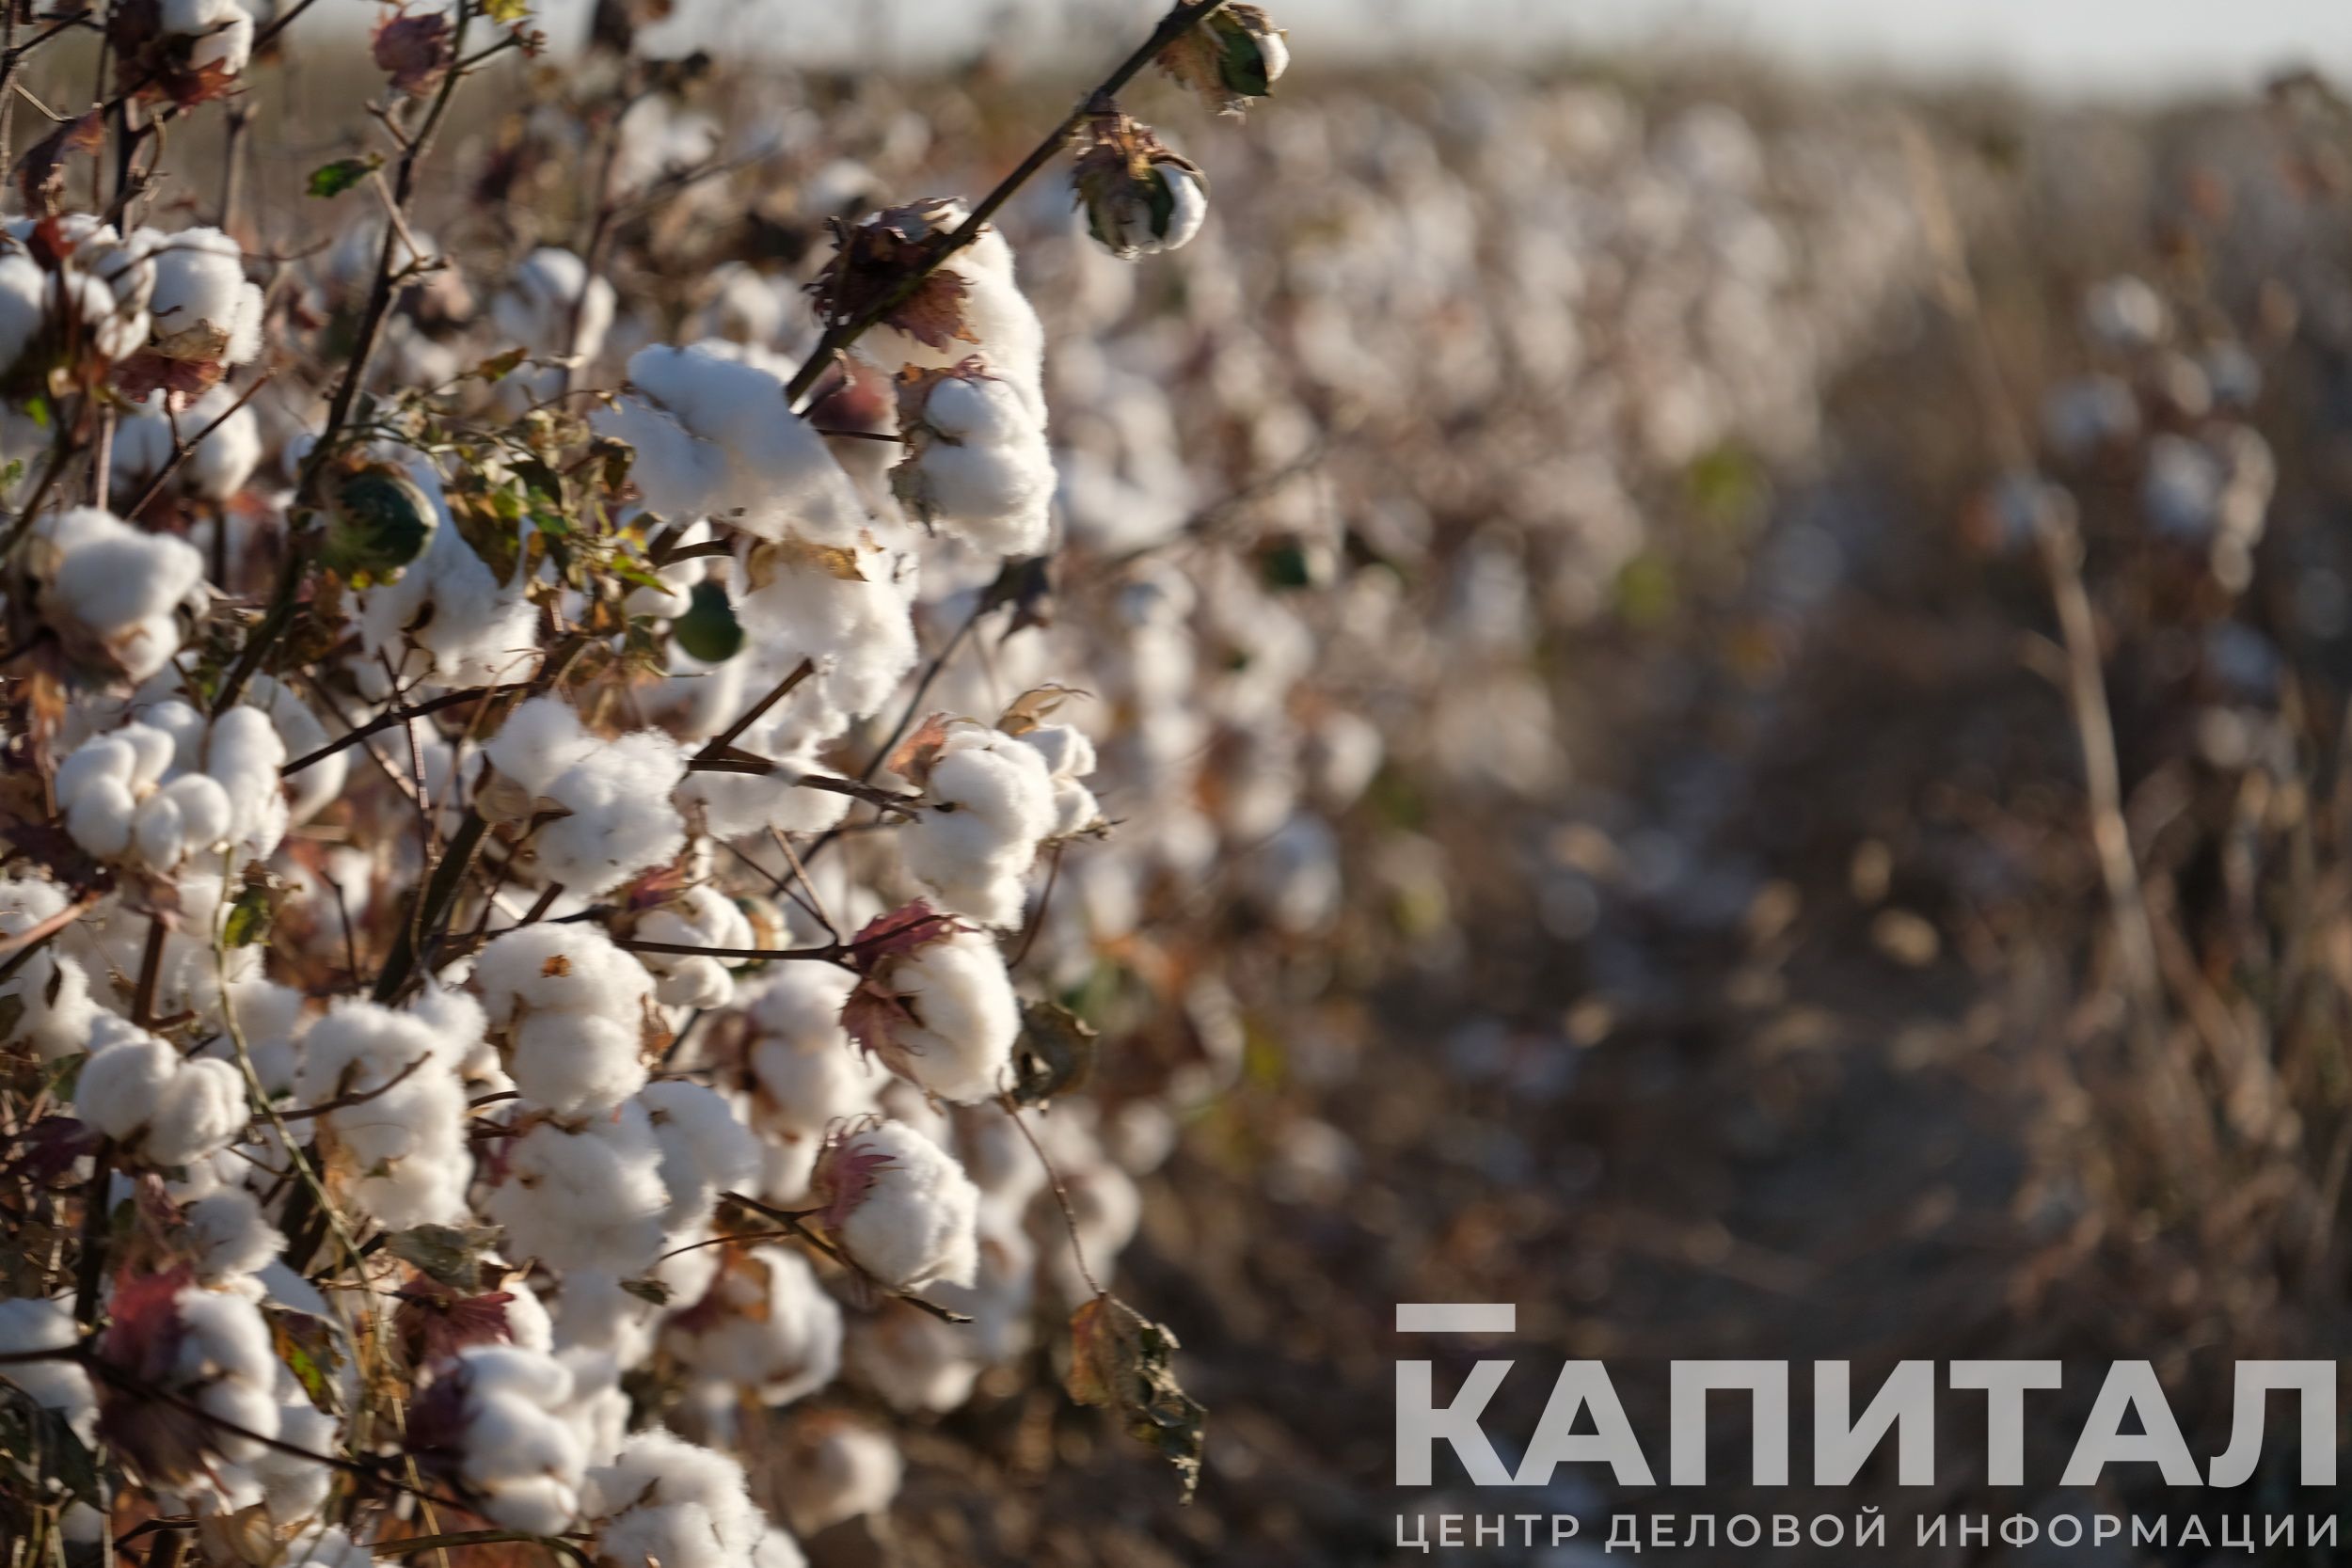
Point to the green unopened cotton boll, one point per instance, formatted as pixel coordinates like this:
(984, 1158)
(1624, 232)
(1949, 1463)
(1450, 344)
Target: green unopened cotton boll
(379, 521)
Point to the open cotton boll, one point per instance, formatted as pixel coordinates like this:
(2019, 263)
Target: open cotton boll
(52, 1006)
(715, 437)
(23, 304)
(915, 1362)
(111, 592)
(836, 1470)
(220, 33)
(553, 307)
(667, 1503)
(701, 917)
(157, 1106)
(988, 800)
(614, 793)
(977, 462)
(765, 1323)
(514, 1452)
(956, 1043)
(400, 1155)
(1069, 757)
(901, 1208)
(806, 1073)
(29, 1324)
(232, 1234)
(227, 450)
(705, 1149)
(325, 1547)
(202, 308)
(573, 1064)
(730, 805)
(585, 1200)
(558, 968)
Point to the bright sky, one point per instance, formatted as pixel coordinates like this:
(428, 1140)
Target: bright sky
(2104, 46)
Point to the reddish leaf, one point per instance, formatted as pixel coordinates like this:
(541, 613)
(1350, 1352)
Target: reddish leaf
(845, 1174)
(180, 381)
(913, 757)
(871, 1017)
(46, 1150)
(414, 50)
(41, 173)
(144, 1329)
(435, 1322)
(870, 267)
(909, 928)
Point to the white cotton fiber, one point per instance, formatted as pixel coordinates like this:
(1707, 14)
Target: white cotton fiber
(909, 1209)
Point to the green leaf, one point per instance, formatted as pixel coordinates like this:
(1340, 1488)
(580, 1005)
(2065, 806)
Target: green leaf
(305, 1343)
(330, 180)
(507, 13)
(250, 916)
(499, 366)
(709, 630)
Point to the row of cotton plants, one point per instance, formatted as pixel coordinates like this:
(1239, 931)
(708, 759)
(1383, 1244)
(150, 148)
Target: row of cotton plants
(520, 936)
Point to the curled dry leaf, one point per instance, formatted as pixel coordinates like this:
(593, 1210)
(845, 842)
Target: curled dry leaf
(1121, 1360)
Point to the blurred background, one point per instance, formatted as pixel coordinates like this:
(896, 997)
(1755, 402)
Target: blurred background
(1768, 593)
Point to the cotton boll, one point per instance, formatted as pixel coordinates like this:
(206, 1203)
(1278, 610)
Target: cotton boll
(776, 1549)
(226, 1366)
(858, 633)
(30, 1324)
(765, 1323)
(111, 592)
(701, 917)
(706, 1149)
(294, 1488)
(613, 794)
(50, 991)
(977, 462)
(216, 466)
(515, 1453)
(988, 801)
(2126, 314)
(536, 310)
(905, 1212)
(325, 1547)
(156, 1105)
(715, 437)
(23, 304)
(202, 308)
(916, 1362)
(666, 1503)
(552, 968)
(585, 1200)
(837, 1469)
(232, 1235)
(400, 1154)
(956, 1042)
(220, 33)
(576, 1064)
(1068, 758)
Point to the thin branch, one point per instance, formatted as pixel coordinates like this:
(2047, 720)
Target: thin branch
(792, 1223)
(392, 718)
(839, 335)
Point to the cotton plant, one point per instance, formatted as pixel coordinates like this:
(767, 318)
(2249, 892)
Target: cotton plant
(496, 982)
